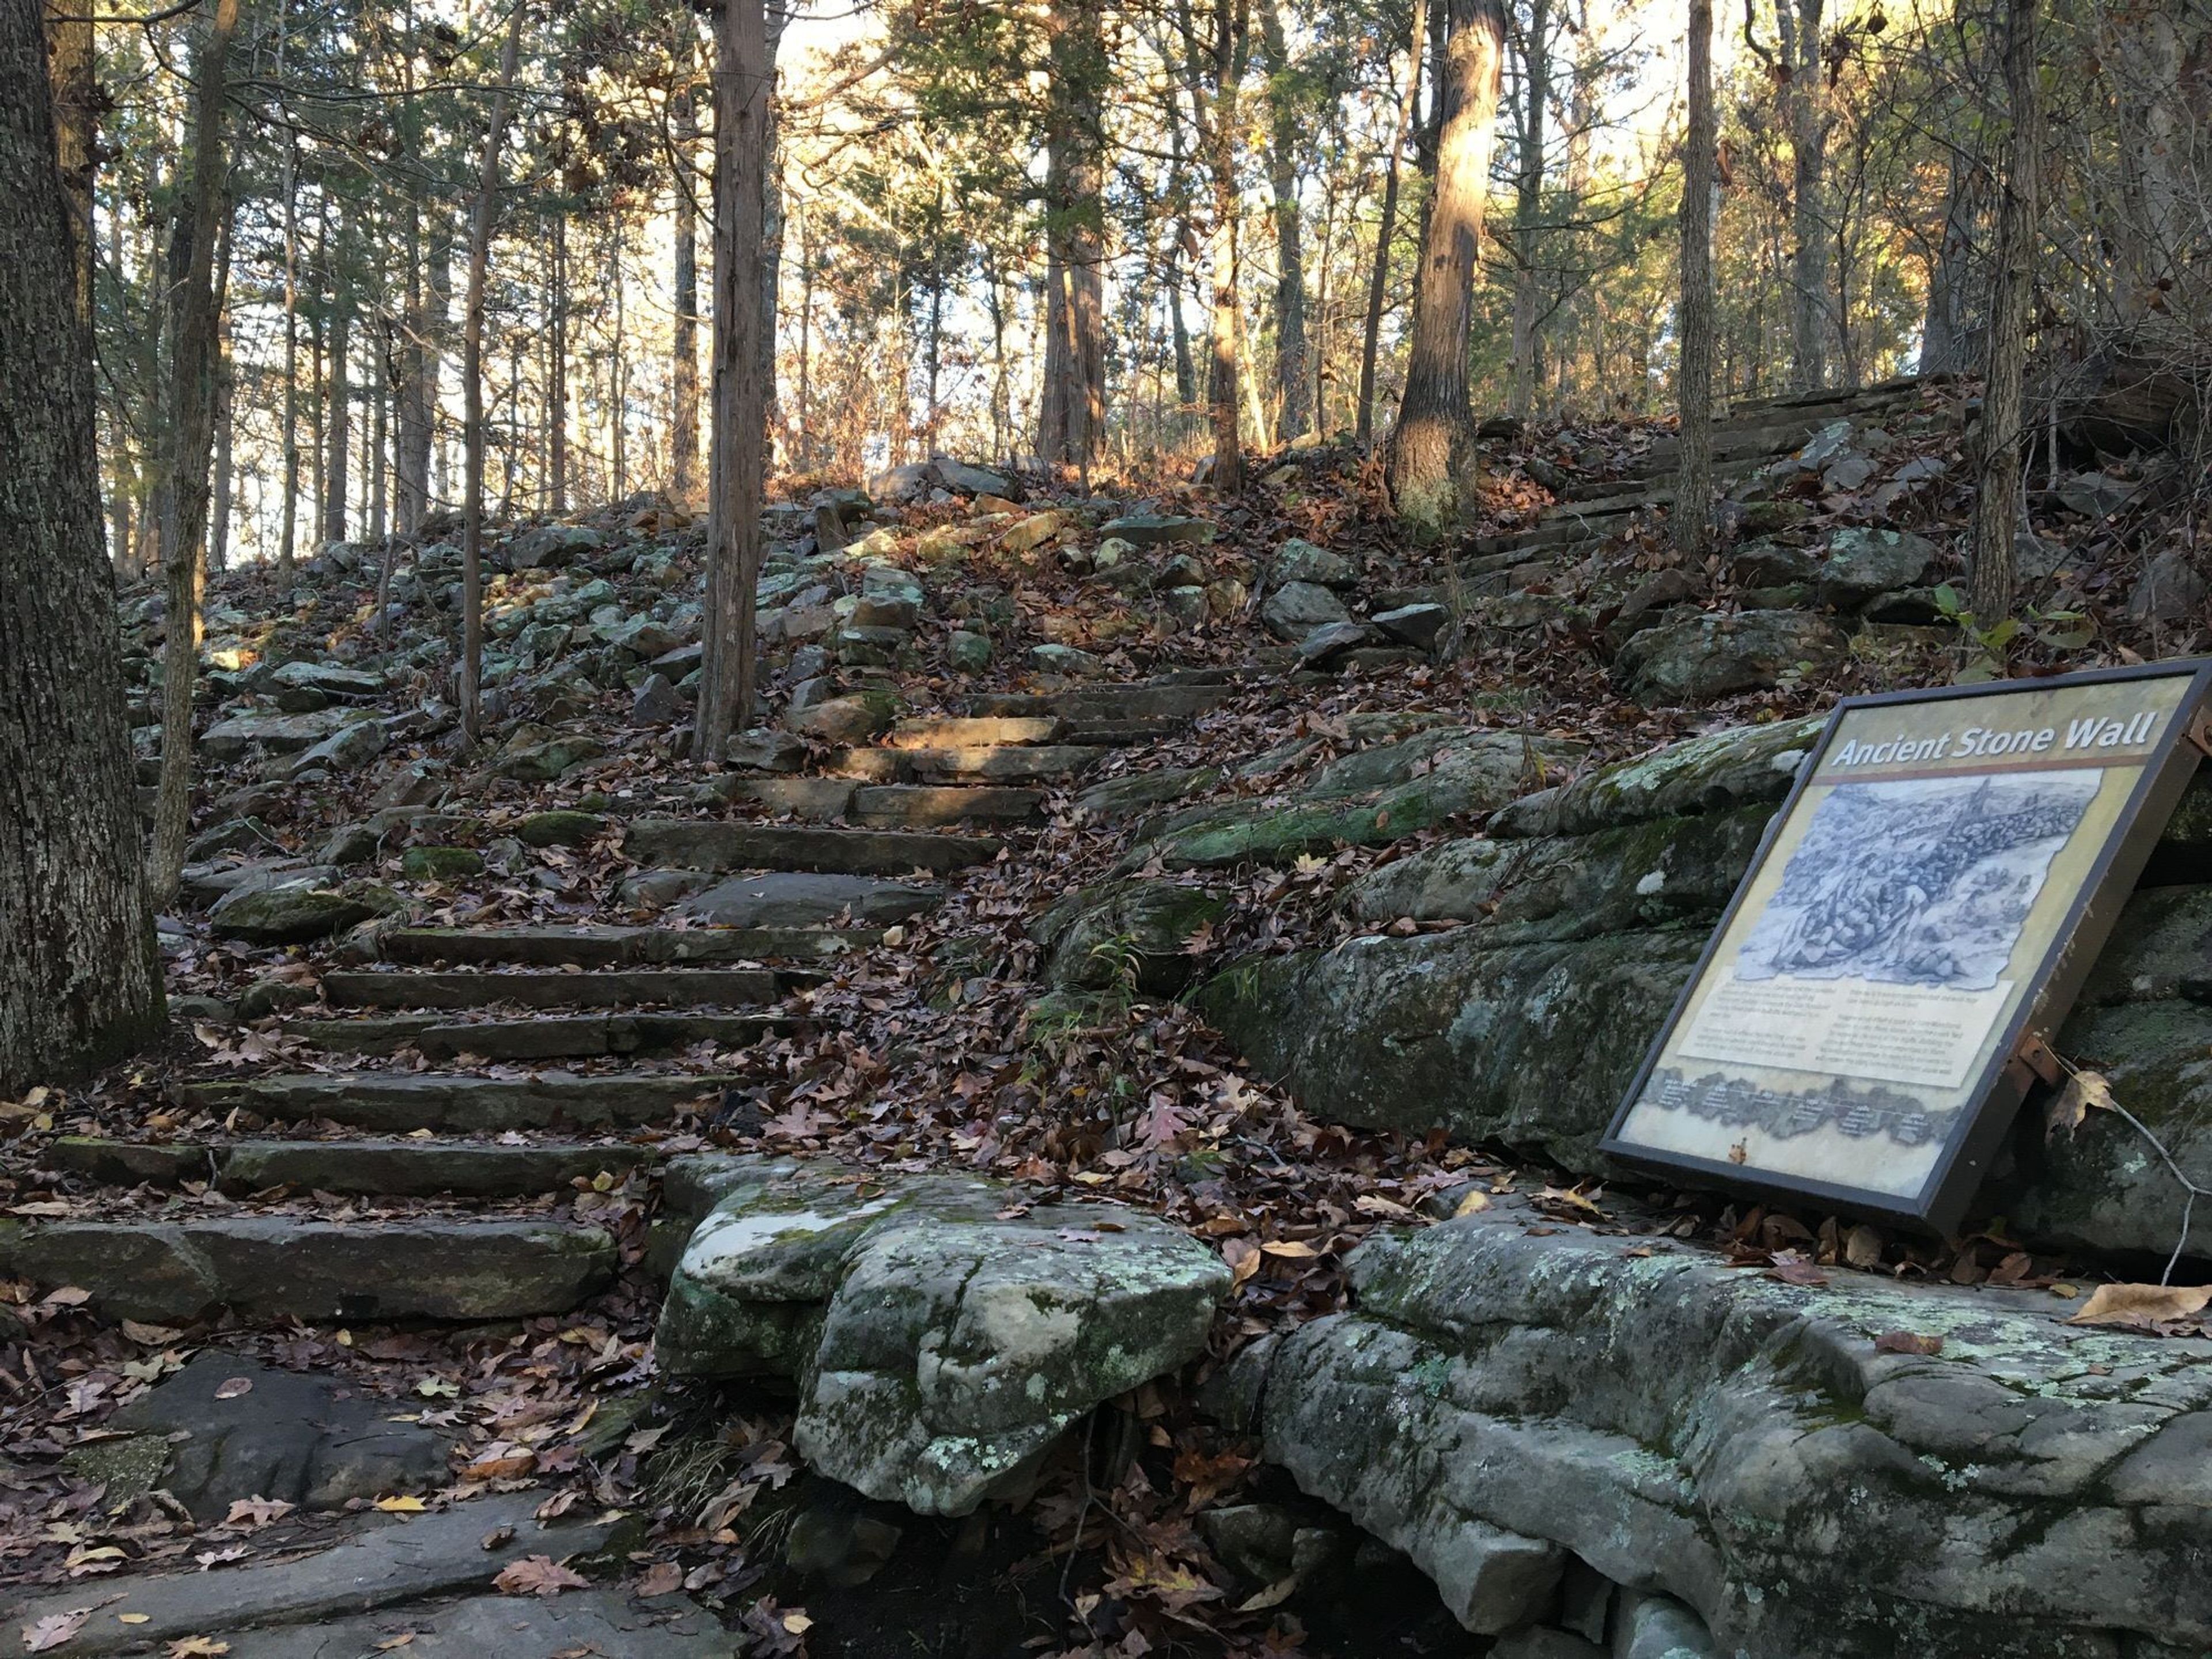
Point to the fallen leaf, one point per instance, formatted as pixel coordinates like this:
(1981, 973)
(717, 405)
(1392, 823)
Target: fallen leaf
(197, 1647)
(1276, 1594)
(54, 1629)
(2084, 1092)
(1792, 1268)
(1863, 1248)
(661, 1578)
(401, 1506)
(2142, 1305)
(537, 1575)
(1476, 1200)
(232, 1388)
(1907, 1342)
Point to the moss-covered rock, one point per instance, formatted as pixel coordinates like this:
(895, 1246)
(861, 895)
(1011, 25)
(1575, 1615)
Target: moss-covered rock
(1140, 929)
(561, 828)
(440, 863)
(940, 1341)
(292, 913)
(1705, 657)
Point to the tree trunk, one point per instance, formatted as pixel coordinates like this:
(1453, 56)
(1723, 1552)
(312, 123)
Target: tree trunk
(73, 75)
(337, 474)
(225, 388)
(556, 366)
(1809, 219)
(188, 439)
(288, 183)
(683, 375)
(1694, 379)
(80, 978)
(2005, 434)
(1293, 372)
(1946, 339)
(1217, 126)
(1528, 207)
(1386, 229)
(472, 436)
(1071, 396)
(1432, 469)
(379, 433)
(743, 73)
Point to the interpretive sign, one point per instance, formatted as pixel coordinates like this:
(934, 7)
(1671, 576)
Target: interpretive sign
(1919, 917)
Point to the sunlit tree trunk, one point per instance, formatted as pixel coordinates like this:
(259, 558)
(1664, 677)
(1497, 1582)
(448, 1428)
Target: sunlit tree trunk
(1801, 40)
(1433, 466)
(338, 478)
(472, 328)
(1386, 229)
(2005, 434)
(743, 73)
(80, 979)
(556, 365)
(683, 370)
(1072, 394)
(1694, 377)
(1293, 372)
(188, 439)
(74, 79)
(1528, 207)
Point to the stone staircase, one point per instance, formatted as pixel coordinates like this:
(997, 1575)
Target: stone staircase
(457, 1129)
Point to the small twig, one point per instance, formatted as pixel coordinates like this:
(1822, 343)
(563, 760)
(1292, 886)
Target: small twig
(2189, 1187)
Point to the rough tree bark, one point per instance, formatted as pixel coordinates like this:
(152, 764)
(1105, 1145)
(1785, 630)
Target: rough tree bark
(2004, 425)
(1386, 229)
(1293, 374)
(472, 327)
(684, 372)
(1800, 39)
(1693, 378)
(421, 341)
(1071, 394)
(338, 471)
(1432, 471)
(1230, 26)
(80, 979)
(74, 77)
(189, 440)
(743, 74)
(556, 364)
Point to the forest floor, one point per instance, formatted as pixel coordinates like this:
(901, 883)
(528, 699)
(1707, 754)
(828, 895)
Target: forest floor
(946, 1038)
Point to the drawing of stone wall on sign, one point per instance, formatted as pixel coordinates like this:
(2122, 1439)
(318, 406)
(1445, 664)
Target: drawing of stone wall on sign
(1916, 881)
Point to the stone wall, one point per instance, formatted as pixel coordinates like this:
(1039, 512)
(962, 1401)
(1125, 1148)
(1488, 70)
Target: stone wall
(1581, 913)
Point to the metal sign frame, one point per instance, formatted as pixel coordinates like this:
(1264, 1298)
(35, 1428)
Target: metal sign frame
(2022, 1053)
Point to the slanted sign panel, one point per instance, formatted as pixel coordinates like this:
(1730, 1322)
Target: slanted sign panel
(1928, 899)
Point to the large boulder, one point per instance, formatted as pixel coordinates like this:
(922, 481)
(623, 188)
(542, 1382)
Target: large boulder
(1995, 1486)
(1296, 609)
(791, 898)
(551, 546)
(1863, 564)
(940, 1335)
(1137, 928)
(294, 912)
(1701, 658)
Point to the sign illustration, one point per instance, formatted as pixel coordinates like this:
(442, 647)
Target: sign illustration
(1927, 903)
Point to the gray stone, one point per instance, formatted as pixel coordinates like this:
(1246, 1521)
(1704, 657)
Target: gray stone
(1152, 529)
(537, 755)
(387, 1562)
(940, 1342)
(1299, 560)
(2170, 590)
(331, 679)
(1186, 605)
(1545, 1642)
(1772, 564)
(1660, 1627)
(968, 654)
(1328, 643)
(1137, 928)
(307, 1439)
(1417, 625)
(1068, 660)
(2031, 1490)
(551, 546)
(966, 480)
(654, 702)
(276, 734)
(293, 912)
(840, 721)
(1830, 442)
(796, 899)
(1861, 563)
(246, 835)
(1134, 794)
(1736, 766)
(1705, 657)
(348, 749)
(1296, 609)
(604, 1624)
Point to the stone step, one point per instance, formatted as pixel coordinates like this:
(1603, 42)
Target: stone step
(961, 731)
(283, 1266)
(1045, 763)
(596, 946)
(609, 988)
(897, 805)
(1092, 704)
(555, 1036)
(394, 1169)
(400, 1103)
(709, 844)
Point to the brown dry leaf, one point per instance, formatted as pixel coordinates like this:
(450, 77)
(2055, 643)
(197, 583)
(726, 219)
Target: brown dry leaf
(232, 1388)
(1274, 1595)
(251, 1514)
(1792, 1268)
(1290, 1249)
(2142, 1305)
(401, 1506)
(148, 1336)
(1475, 1200)
(1907, 1342)
(1863, 1248)
(661, 1578)
(197, 1647)
(2085, 1093)
(398, 1641)
(54, 1629)
(537, 1575)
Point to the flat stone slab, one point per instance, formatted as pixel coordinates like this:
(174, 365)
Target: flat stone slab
(692, 844)
(547, 1037)
(1102, 702)
(965, 731)
(402, 1102)
(281, 1266)
(604, 1624)
(381, 1562)
(610, 947)
(395, 1168)
(940, 1343)
(925, 804)
(794, 899)
(613, 987)
(1753, 1448)
(232, 1428)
